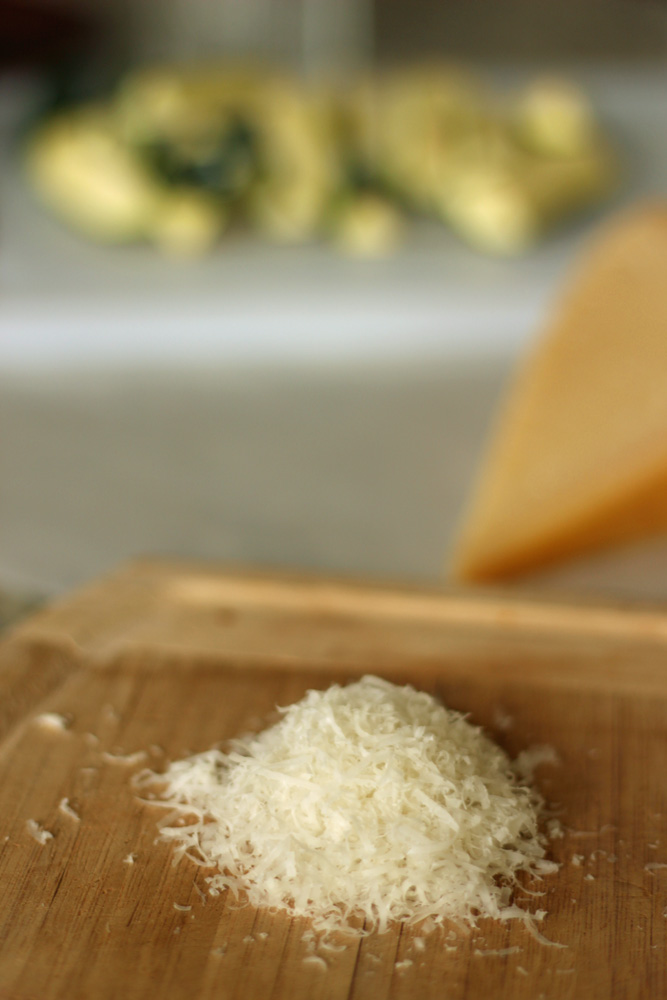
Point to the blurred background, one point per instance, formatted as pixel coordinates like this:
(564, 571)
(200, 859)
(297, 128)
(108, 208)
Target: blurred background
(265, 266)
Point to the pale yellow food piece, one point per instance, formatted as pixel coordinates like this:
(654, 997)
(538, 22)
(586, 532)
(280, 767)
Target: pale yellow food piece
(89, 177)
(297, 137)
(290, 211)
(579, 457)
(420, 119)
(188, 103)
(555, 117)
(503, 204)
(367, 226)
(187, 223)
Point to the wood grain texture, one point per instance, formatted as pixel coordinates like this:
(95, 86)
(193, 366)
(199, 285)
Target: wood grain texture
(136, 671)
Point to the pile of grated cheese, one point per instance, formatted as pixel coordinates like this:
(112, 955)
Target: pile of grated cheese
(370, 801)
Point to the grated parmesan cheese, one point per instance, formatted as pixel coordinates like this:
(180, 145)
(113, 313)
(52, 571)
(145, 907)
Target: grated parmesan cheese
(371, 801)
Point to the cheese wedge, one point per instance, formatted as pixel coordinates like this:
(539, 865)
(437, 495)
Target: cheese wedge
(579, 457)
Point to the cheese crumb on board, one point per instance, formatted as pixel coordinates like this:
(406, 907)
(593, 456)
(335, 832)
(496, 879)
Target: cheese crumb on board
(128, 759)
(555, 829)
(53, 720)
(38, 832)
(502, 720)
(316, 960)
(529, 760)
(496, 952)
(369, 800)
(65, 808)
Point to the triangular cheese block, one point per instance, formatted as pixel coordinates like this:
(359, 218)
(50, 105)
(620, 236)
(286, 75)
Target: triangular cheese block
(579, 460)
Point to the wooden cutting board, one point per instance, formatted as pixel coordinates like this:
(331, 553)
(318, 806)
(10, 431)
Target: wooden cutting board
(164, 660)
